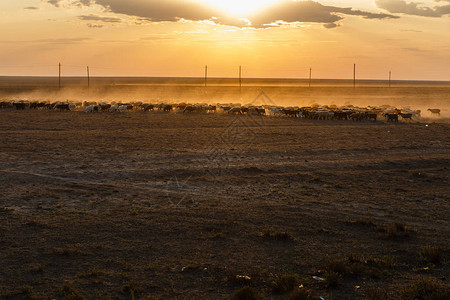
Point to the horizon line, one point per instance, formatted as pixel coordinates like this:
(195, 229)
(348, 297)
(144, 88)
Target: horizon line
(222, 78)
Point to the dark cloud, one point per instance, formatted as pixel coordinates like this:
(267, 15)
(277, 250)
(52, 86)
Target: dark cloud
(330, 25)
(99, 19)
(281, 13)
(54, 2)
(57, 3)
(160, 11)
(310, 11)
(443, 10)
(413, 8)
(31, 7)
(94, 25)
(84, 2)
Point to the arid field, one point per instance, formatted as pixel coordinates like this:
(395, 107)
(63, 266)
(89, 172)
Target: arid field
(199, 206)
(224, 150)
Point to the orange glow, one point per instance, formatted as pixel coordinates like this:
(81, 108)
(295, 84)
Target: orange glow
(239, 7)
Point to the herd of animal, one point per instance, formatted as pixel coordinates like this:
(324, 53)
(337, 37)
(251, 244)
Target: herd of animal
(314, 112)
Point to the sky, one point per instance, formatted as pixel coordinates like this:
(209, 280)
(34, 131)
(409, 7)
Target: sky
(268, 38)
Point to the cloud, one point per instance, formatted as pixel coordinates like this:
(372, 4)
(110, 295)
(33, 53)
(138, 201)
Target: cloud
(78, 3)
(330, 25)
(63, 40)
(31, 7)
(53, 41)
(279, 14)
(84, 2)
(414, 8)
(99, 19)
(411, 30)
(94, 25)
(160, 11)
(310, 11)
(54, 2)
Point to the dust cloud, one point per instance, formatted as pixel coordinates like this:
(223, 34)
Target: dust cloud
(407, 95)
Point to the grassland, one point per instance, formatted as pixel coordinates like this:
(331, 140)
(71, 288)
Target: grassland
(200, 206)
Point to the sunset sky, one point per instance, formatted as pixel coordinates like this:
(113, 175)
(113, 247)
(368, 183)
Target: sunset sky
(269, 38)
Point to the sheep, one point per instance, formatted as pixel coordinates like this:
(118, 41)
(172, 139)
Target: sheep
(235, 111)
(167, 108)
(149, 107)
(62, 106)
(435, 111)
(92, 108)
(406, 116)
(391, 117)
(20, 105)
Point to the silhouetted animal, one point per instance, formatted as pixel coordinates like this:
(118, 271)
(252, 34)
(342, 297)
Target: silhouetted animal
(92, 108)
(20, 105)
(291, 112)
(149, 107)
(406, 116)
(391, 117)
(435, 111)
(62, 107)
(235, 111)
(105, 107)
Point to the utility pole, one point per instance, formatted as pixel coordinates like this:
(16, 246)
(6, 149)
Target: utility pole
(59, 77)
(88, 78)
(310, 76)
(390, 73)
(354, 75)
(240, 78)
(206, 75)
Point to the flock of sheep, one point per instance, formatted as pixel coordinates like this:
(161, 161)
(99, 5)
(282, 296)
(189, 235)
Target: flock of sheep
(314, 112)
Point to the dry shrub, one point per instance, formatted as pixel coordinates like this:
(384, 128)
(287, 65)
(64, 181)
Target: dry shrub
(427, 288)
(397, 231)
(271, 233)
(356, 265)
(332, 279)
(70, 293)
(377, 293)
(361, 222)
(339, 266)
(431, 254)
(302, 294)
(284, 284)
(247, 293)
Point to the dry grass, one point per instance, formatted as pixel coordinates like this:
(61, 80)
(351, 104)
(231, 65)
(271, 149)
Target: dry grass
(361, 222)
(284, 284)
(431, 254)
(85, 202)
(247, 293)
(397, 231)
(70, 293)
(302, 294)
(356, 266)
(427, 289)
(273, 234)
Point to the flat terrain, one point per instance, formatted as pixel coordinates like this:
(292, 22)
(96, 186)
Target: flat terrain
(172, 205)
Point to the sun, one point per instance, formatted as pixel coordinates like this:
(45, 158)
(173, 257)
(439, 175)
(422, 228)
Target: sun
(239, 8)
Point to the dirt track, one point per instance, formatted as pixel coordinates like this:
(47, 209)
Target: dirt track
(119, 204)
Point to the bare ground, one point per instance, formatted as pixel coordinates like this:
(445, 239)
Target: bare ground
(172, 205)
